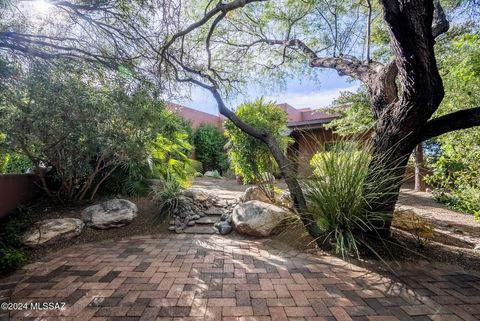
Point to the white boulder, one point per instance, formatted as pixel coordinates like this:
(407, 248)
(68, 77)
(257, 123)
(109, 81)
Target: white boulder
(196, 194)
(112, 213)
(258, 218)
(53, 230)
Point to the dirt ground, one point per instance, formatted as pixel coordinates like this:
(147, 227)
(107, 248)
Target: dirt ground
(402, 244)
(141, 225)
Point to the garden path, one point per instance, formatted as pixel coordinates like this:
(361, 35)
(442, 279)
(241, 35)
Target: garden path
(170, 277)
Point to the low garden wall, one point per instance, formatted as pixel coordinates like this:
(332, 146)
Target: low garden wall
(16, 189)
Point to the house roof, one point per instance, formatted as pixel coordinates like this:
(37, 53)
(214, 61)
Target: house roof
(305, 117)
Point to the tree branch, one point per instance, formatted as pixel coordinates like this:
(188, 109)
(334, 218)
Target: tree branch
(462, 119)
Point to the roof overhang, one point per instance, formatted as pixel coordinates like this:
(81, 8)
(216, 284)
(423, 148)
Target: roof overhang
(310, 124)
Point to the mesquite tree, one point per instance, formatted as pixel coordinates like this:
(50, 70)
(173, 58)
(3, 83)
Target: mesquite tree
(214, 44)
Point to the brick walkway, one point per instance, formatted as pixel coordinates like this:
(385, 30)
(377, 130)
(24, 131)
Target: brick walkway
(171, 277)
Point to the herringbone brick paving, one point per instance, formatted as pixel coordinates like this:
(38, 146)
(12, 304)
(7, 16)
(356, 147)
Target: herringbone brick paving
(213, 278)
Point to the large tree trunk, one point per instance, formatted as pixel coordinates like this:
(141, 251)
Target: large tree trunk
(385, 177)
(400, 123)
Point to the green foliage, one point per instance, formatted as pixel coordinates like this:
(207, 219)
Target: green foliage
(14, 163)
(355, 111)
(130, 178)
(169, 155)
(197, 165)
(79, 123)
(10, 259)
(11, 231)
(456, 170)
(209, 145)
(168, 197)
(337, 196)
(249, 156)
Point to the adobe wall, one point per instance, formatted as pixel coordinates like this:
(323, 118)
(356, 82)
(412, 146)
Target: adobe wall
(14, 190)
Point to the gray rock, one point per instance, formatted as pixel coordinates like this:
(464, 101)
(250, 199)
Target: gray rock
(255, 193)
(258, 218)
(220, 203)
(214, 211)
(285, 199)
(112, 213)
(53, 230)
(224, 228)
(196, 216)
(224, 217)
(213, 174)
(171, 228)
(196, 194)
(191, 223)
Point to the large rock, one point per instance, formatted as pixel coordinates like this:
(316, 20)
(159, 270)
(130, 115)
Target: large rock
(258, 218)
(112, 213)
(53, 230)
(284, 199)
(224, 228)
(213, 174)
(196, 194)
(255, 193)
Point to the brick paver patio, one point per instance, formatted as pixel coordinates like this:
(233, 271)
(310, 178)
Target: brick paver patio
(213, 278)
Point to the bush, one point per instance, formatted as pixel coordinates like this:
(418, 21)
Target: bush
(167, 153)
(11, 232)
(209, 145)
(78, 128)
(10, 259)
(456, 172)
(337, 199)
(15, 163)
(197, 165)
(456, 169)
(249, 156)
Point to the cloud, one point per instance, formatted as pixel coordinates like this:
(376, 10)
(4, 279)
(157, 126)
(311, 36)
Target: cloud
(312, 99)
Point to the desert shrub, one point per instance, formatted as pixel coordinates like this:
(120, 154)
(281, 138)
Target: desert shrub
(10, 259)
(197, 165)
(11, 232)
(14, 163)
(168, 197)
(209, 145)
(339, 199)
(78, 127)
(250, 157)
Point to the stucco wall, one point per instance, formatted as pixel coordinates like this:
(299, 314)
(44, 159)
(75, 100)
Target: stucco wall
(308, 143)
(196, 117)
(14, 190)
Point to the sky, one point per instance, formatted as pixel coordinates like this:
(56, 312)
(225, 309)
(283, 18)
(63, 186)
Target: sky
(298, 93)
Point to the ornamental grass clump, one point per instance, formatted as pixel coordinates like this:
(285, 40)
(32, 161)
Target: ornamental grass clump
(339, 199)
